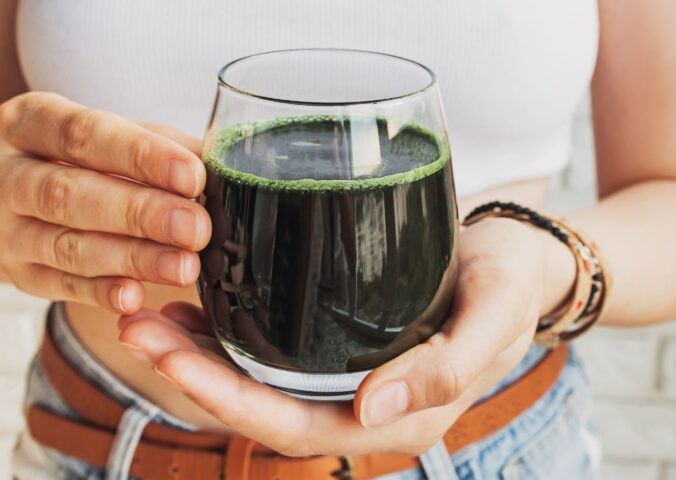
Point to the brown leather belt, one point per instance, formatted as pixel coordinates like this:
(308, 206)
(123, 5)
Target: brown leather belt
(165, 452)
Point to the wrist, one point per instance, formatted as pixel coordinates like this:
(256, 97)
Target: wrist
(569, 300)
(553, 264)
(559, 271)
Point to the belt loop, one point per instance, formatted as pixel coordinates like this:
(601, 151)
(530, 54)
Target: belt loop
(129, 432)
(437, 464)
(238, 458)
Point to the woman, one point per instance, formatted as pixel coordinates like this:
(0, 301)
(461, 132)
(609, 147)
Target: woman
(511, 77)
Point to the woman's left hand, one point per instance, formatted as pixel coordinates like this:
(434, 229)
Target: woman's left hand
(404, 406)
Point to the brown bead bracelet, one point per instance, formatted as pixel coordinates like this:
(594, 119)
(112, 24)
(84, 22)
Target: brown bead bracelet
(585, 305)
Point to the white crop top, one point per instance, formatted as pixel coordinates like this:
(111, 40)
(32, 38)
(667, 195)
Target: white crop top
(511, 73)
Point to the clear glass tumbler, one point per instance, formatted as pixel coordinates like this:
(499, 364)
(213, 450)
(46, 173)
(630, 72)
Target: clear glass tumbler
(334, 216)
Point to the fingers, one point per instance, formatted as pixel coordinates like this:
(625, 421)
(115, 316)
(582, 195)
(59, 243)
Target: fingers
(251, 408)
(188, 315)
(288, 425)
(87, 200)
(224, 393)
(487, 317)
(122, 295)
(51, 126)
(154, 337)
(95, 254)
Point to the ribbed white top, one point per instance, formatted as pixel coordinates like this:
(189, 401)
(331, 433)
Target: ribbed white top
(511, 73)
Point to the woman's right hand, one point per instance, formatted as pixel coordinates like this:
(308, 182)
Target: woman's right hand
(71, 228)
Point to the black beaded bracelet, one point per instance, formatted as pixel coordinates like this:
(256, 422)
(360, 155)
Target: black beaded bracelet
(532, 216)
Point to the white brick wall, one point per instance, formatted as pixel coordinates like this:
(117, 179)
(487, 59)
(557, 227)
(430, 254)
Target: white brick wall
(634, 382)
(667, 378)
(633, 371)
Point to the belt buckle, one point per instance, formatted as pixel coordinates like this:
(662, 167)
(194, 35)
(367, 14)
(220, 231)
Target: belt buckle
(346, 471)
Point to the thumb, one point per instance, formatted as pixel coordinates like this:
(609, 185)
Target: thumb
(438, 371)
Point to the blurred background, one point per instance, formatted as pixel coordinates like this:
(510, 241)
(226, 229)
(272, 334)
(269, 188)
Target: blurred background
(633, 372)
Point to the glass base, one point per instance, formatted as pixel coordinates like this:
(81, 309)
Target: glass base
(309, 386)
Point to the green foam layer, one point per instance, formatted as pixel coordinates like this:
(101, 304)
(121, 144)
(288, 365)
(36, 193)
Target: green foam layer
(218, 145)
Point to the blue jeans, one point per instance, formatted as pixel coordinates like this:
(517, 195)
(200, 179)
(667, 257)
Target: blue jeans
(553, 440)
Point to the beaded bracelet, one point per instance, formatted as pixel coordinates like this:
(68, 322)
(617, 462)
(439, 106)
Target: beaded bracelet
(592, 282)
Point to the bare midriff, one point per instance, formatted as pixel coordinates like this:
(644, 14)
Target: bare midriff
(97, 328)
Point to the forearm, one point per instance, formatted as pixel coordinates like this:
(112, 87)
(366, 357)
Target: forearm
(635, 229)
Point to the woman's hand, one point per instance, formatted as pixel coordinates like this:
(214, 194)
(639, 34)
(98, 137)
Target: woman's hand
(72, 224)
(405, 405)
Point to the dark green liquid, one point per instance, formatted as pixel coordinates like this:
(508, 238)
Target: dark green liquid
(322, 261)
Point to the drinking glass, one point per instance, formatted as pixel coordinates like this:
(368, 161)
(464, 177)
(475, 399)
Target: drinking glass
(330, 190)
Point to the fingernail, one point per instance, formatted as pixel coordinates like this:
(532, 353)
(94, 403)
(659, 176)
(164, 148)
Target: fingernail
(182, 226)
(121, 298)
(173, 382)
(385, 404)
(138, 353)
(178, 175)
(170, 266)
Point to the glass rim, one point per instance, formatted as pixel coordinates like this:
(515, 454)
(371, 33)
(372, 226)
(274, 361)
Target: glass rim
(222, 82)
